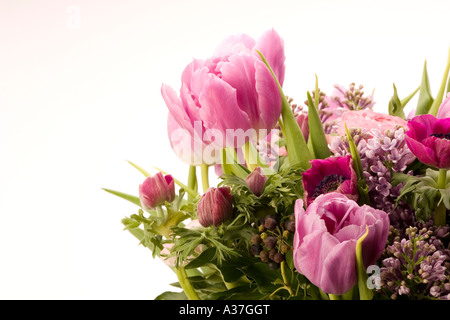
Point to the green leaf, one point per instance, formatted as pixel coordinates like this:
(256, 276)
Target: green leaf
(405, 100)
(364, 292)
(425, 98)
(133, 199)
(145, 173)
(295, 141)
(169, 295)
(363, 189)
(445, 197)
(230, 164)
(440, 95)
(395, 106)
(204, 258)
(316, 132)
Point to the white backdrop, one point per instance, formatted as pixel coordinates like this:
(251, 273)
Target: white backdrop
(80, 94)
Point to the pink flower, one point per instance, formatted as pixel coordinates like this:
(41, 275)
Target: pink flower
(325, 240)
(215, 207)
(368, 119)
(156, 190)
(334, 174)
(302, 120)
(444, 108)
(256, 181)
(429, 139)
(232, 90)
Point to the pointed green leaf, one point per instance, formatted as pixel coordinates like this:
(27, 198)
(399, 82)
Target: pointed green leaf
(405, 100)
(145, 173)
(295, 141)
(364, 292)
(316, 132)
(133, 199)
(440, 95)
(425, 98)
(395, 106)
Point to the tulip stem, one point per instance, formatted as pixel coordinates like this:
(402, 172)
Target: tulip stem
(204, 168)
(186, 284)
(192, 180)
(441, 211)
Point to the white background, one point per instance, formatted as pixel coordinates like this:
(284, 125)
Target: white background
(80, 94)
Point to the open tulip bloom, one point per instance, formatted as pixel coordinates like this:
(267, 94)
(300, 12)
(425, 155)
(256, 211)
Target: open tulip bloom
(329, 200)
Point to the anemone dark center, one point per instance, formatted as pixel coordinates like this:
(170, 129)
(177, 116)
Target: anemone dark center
(328, 184)
(441, 135)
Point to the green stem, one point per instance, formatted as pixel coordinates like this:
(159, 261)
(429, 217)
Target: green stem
(205, 180)
(160, 211)
(334, 296)
(283, 274)
(441, 211)
(186, 284)
(192, 181)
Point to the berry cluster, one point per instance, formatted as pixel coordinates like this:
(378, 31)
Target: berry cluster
(273, 240)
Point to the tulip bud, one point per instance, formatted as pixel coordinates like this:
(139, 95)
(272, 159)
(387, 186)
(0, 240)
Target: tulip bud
(302, 120)
(256, 181)
(156, 190)
(215, 207)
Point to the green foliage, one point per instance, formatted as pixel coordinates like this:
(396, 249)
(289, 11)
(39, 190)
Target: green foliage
(422, 192)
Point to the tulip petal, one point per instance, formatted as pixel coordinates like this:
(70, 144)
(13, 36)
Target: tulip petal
(234, 45)
(175, 107)
(239, 72)
(339, 275)
(219, 99)
(271, 46)
(310, 256)
(269, 97)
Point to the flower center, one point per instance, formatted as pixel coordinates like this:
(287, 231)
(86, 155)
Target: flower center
(441, 135)
(328, 184)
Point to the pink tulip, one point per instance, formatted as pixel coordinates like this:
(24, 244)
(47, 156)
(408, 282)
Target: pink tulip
(444, 108)
(334, 174)
(215, 207)
(232, 90)
(156, 190)
(429, 139)
(325, 240)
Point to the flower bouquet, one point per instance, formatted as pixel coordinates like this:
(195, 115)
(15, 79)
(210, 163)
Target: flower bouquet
(321, 200)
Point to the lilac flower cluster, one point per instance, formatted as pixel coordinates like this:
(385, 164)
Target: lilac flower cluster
(382, 154)
(418, 266)
(342, 99)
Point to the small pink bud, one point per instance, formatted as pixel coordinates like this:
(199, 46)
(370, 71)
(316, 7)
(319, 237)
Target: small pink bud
(256, 181)
(302, 120)
(215, 207)
(156, 190)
